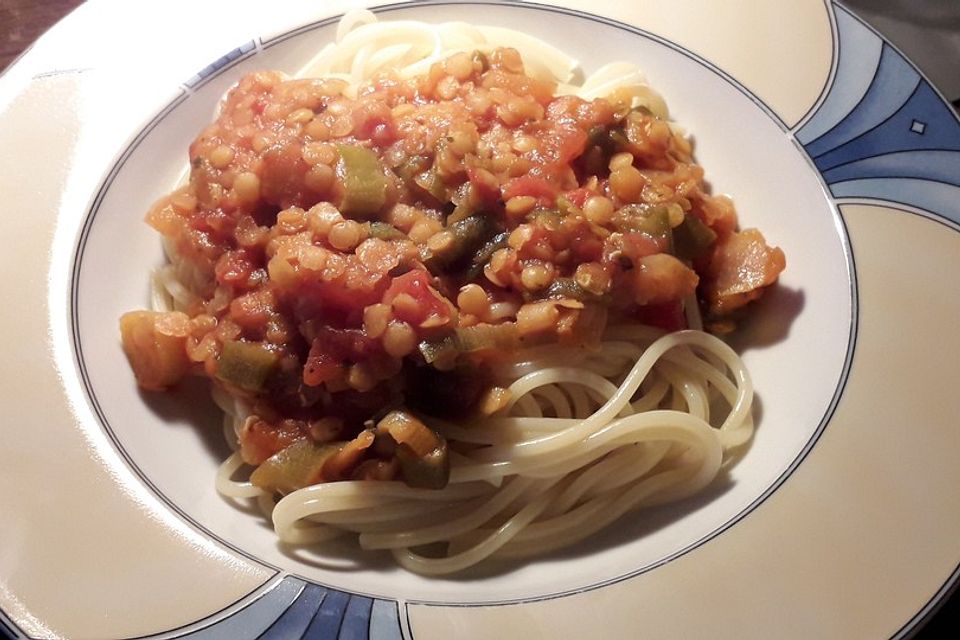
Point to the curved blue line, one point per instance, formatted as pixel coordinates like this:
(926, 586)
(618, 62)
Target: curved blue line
(256, 617)
(939, 128)
(356, 619)
(294, 622)
(859, 52)
(895, 81)
(385, 621)
(937, 197)
(937, 165)
(326, 624)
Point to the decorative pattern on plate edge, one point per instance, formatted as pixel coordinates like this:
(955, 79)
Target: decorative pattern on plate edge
(295, 609)
(883, 132)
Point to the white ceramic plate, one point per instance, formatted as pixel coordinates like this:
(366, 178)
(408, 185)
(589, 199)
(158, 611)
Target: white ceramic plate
(841, 519)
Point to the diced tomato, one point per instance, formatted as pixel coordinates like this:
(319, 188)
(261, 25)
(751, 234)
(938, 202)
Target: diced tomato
(586, 246)
(427, 301)
(321, 367)
(540, 188)
(234, 268)
(578, 196)
(259, 440)
(282, 179)
(668, 316)
(331, 349)
(252, 311)
(633, 246)
(373, 121)
(520, 85)
(566, 144)
(484, 184)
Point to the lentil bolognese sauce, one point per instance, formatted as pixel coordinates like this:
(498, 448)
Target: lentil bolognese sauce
(446, 311)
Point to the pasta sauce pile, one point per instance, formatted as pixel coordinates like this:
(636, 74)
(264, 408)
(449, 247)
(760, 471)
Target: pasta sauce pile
(347, 267)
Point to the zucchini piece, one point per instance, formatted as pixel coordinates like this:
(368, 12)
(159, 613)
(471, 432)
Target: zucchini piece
(297, 466)
(364, 185)
(246, 365)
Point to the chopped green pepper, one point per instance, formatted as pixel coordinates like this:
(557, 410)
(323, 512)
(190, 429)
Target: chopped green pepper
(484, 253)
(567, 288)
(438, 348)
(385, 231)
(365, 186)
(431, 182)
(431, 471)
(469, 236)
(297, 466)
(692, 238)
(410, 168)
(421, 451)
(565, 207)
(654, 220)
(504, 337)
(246, 364)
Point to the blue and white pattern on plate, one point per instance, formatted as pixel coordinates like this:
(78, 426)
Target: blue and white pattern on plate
(294, 609)
(883, 132)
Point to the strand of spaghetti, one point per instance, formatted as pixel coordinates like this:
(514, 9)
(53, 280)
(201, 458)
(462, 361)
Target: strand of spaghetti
(587, 519)
(345, 495)
(741, 406)
(501, 536)
(600, 512)
(527, 405)
(579, 398)
(627, 431)
(711, 374)
(557, 401)
(233, 488)
(443, 531)
(622, 466)
(442, 513)
(692, 390)
(614, 406)
(663, 425)
(653, 397)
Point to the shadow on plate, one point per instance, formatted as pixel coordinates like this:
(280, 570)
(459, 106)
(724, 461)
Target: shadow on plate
(190, 406)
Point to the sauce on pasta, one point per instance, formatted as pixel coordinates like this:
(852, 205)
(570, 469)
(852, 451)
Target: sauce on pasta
(363, 271)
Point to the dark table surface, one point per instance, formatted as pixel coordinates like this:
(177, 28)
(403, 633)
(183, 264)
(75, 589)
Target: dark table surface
(23, 21)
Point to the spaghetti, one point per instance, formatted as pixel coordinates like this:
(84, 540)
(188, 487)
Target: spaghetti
(441, 291)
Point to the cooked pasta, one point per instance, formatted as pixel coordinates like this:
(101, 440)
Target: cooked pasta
(442, 286)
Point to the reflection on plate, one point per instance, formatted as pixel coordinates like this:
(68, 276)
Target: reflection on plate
(859, 163)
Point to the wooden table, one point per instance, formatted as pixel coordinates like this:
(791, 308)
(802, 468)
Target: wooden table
(23, 21)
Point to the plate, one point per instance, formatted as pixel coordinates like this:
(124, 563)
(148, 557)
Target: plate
(850, 166)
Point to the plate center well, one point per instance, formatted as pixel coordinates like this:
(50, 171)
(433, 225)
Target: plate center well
(795, 346)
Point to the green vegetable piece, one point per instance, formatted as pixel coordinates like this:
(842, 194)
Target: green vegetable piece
(567, 288)
(469, 236)
(484, 253)
(653, 220)
(608, 139)
(431, 182)
(385, 231)
(432, 471)
(297, 466)
(488, 336)
(565, 207)
(433, 350)
(692, 238)
(246, 364)
(365, 186)
(410, 168)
